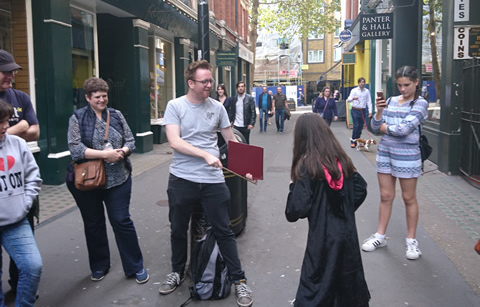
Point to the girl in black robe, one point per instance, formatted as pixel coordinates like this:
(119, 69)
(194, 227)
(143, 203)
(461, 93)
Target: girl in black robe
(327, 190)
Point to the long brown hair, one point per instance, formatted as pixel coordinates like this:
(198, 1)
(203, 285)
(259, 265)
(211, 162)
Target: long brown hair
(315, 146)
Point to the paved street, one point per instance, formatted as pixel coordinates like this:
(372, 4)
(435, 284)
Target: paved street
(271, 249)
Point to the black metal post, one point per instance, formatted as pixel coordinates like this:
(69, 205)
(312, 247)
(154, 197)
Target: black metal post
(203, 29)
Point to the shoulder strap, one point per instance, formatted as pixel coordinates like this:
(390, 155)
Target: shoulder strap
(108, 126)
(326, 103)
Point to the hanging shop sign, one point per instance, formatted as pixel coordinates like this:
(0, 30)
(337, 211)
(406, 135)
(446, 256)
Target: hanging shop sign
(461, 11)
(376, 26)
(349, 58)
(226, 58)
(466, 44)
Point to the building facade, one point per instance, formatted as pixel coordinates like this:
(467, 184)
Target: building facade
(141, 48)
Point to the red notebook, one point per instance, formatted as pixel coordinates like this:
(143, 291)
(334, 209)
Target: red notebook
(244, 158)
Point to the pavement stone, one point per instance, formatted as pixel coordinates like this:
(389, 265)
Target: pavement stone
(56, 200)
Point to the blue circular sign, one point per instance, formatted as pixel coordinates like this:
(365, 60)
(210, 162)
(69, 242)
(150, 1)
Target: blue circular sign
(345, 36)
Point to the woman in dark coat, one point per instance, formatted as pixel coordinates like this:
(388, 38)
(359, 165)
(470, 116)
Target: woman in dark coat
(327, 190)
(326, 106)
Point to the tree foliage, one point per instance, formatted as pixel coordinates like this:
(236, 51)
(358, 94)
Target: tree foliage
(433, 11)
(298, 17)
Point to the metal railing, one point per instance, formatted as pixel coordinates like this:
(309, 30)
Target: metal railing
(470, 122)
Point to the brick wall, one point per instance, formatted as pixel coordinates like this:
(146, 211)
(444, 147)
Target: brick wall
(20, 45)
(225, 10)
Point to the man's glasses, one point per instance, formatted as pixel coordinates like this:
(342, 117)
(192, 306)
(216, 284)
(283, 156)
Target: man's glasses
(206, 81)
(9, 73)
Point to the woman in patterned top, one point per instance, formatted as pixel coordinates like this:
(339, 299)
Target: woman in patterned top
(86, 132)
(398, 156)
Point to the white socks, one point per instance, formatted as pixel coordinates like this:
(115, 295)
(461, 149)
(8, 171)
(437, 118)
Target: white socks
(410, 241)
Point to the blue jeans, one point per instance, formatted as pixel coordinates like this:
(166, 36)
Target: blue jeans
(279, 119)
(117, 202)
(357, 119)
(18, 241)
(263, 119)
(183, 195)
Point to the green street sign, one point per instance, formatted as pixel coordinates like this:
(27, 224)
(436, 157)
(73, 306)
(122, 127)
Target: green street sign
(349, 58)
(226, 58)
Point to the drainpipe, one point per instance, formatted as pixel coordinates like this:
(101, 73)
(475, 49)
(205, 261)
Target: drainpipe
(203, 29)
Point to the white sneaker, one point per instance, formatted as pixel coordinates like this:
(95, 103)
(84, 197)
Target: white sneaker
(412, 250)
(371, 244)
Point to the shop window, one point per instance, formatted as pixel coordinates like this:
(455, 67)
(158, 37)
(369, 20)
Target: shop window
(83, 56)
(161, 77)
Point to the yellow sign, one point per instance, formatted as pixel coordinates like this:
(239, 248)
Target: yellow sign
(304, 67)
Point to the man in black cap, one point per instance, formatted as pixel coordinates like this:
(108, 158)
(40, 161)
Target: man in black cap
(24, 123)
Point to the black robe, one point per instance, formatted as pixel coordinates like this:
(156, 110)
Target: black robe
(332, 271)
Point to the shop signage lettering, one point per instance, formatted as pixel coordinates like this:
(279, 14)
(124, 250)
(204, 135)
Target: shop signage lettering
(376, 26)
(226, 58)
(466, 44)
(462, 10)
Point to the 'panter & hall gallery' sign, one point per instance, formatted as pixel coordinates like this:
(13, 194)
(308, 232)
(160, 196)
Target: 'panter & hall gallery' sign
(376, 26)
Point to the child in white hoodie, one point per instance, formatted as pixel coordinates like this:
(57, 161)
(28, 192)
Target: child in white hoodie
(19, 184)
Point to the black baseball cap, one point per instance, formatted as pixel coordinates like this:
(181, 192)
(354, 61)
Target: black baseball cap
(7, 63)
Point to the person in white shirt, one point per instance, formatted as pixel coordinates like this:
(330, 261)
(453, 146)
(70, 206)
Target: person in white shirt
(360, 98)
(243, 111)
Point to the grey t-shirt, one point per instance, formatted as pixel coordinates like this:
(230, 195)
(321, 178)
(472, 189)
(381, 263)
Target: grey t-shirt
(199, 124)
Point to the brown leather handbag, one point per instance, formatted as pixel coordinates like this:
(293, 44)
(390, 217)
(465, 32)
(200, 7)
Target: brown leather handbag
(90, 175)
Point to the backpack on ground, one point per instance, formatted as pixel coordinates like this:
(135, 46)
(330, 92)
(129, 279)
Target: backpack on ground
(209, 270)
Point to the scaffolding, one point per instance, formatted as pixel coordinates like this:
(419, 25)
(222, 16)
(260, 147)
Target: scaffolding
(278, 61)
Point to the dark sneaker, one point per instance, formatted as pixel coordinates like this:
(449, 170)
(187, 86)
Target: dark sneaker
(142, 276)
(244, 294)
(98, 275)
(173, 281)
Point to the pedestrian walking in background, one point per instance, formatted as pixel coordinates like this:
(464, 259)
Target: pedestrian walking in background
(325, 106)
(270, 115)
(326, 189)
(264, 108)
(196, 177)
(16, 198)
(300, 97)
(279, 106)
(398, 156)
(86, 132)
(243, 112)
(360, 98)
(222, 96)
(23, 123)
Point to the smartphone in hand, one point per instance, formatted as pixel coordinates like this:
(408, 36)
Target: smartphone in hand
(381, 97)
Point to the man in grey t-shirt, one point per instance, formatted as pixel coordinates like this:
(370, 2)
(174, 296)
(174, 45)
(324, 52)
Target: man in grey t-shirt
(196, 177)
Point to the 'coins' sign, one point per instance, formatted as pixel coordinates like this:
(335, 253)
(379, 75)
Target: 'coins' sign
(466, 44)
(376, 26)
